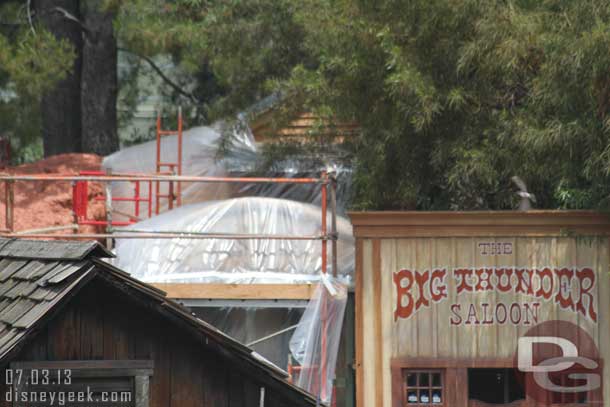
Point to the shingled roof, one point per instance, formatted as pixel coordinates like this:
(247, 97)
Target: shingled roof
(34, 276)
(38, 276)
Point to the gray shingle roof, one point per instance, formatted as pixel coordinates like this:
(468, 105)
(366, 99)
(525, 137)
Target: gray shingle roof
(51, 249)
(37, 275)
(34, 276)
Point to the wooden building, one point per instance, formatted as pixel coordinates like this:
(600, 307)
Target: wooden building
(71, 322)
(446, 300)
(299, 129)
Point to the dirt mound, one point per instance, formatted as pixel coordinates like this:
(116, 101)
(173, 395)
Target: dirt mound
(42, 204)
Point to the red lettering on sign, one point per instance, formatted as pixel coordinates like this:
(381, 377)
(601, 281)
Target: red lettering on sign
(484, 283)
(472, 315)
(421, 280)
(503, 320)
(531, 310)
(545, 274)
(429, 286)
(501, 272)
(403, 311)
(564, 301)
(440, 291)
(455, 309)
(487, 320)
(571, 289)
(586, 275)
(463, 274)
(515, 313)
(524, 281)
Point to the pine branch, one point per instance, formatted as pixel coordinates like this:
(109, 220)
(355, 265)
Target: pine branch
(162, 75)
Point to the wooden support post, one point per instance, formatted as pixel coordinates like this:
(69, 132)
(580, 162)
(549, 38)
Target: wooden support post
(74, 205)
(109, 228)
(9, 193)
(333, 225)
(142, 385)
(179, 169)
(323, 311)
(324, 232)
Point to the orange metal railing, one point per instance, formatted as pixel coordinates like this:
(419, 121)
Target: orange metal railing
(173, 167)
(80, 194)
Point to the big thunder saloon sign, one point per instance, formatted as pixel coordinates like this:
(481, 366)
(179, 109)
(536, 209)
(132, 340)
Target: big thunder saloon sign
(547, 350)
(568, 288)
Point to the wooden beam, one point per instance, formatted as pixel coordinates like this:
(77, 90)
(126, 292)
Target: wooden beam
(237, 291)
(408, 224)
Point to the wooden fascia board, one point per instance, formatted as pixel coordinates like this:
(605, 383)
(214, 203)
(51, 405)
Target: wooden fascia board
(237, 291)
(392, 224)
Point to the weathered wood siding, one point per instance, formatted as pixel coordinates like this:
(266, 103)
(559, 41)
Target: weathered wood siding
(444, 330)
(100, 325)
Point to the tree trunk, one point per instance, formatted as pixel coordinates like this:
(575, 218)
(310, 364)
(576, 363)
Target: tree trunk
(99, 83)
(61, 107)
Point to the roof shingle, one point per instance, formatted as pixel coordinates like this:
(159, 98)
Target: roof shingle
(36, 275)
(29, 287)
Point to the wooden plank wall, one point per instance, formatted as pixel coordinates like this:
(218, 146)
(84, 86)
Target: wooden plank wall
(98, 324)
(427, 334)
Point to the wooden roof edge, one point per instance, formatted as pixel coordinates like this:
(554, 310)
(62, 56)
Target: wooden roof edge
(24, 248)
(188, 319)
(469, 223)
(55, 306)
(168, 308)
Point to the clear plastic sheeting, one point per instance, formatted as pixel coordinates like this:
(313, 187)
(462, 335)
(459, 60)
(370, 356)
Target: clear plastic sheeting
(200, 147)
(250, 324)
(223, 150)
(185, 260)
(300, 165)
(309, 193)
(315, 342)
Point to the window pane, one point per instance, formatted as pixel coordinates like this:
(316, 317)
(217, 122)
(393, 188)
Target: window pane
(411, 379)
(437, 396)
(423, 387)
(412, 396)
(424, 396)
(436, 379)
(424, 379)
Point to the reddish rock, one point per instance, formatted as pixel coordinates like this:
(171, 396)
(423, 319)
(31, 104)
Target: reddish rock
(49, 203)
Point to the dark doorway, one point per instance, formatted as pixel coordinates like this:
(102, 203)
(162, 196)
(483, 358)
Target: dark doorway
(495, 386)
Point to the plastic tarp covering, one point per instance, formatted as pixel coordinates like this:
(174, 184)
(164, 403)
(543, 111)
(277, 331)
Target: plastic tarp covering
(250, 324)
(315, 342)
(184, 260)
(199, 158)
(239, 157)
(309, 193)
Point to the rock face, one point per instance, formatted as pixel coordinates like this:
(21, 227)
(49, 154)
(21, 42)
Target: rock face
(43, 204)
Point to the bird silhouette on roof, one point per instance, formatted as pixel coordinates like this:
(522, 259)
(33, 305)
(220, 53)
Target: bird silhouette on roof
(526, 198)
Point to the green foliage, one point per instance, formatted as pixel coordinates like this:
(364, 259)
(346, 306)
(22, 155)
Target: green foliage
(228, 50)
(456, 97)
(452, 97)
(31, 62)
(35, 62)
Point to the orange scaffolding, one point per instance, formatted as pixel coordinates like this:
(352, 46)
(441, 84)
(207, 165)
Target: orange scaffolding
(173, 167)
(80, 189)
(326, 181)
